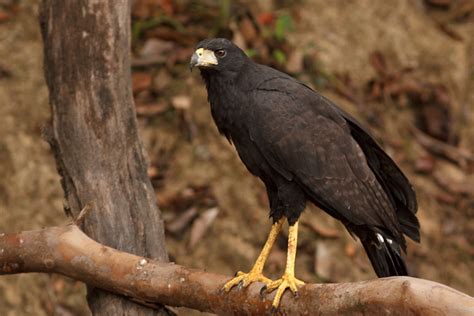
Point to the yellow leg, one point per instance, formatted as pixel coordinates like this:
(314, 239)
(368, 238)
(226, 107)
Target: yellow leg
(288, 279)
(255, 274)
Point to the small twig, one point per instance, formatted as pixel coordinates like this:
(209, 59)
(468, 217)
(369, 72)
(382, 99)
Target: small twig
(459, 156)
(79, 220)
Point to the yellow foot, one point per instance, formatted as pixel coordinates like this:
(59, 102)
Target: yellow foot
(246, 279)
(286, 281)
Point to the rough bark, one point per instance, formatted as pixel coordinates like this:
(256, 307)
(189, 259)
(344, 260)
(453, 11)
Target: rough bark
(66, 250)
(94, 132)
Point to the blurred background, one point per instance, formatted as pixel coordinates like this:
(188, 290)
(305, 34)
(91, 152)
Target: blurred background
(404, 68)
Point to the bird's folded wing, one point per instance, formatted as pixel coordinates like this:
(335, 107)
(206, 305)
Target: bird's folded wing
(299, 134)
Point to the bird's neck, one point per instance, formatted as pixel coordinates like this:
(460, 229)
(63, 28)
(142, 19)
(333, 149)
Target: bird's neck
(225, 100)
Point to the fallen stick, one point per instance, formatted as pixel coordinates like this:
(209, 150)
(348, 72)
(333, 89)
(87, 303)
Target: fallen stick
(68, 251)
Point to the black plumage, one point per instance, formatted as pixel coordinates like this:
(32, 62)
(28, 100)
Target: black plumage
(305, 148)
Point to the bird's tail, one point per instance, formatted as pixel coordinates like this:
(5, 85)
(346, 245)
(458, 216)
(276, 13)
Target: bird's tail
(384, 254)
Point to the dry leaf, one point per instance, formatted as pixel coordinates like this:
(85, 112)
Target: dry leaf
(140, 81)
(156, 47)
(154, 51)
(161, 81)
(442, 3)
(425, 164)
(325, 232)
(180, 222)
(238, 38)
(181, 55)
(151, 109)
(4, 16)
(5, 73)
(454, 180)
(62, 310)
(295, 62)
(446, 198)
(248, 30)
(266, 18)
(201, 225)
(152, 172)
(276, 260)
(350, 250)
(434, 115)
(377, 60)
(322, 261)
(144, 8)
(58, 286)
(181, 102)
(167, 6)
(460, 156)
(451, 32)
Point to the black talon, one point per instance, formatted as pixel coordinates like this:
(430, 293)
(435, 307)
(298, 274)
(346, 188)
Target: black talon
(263, 291)
(273, 310)
(235, 274)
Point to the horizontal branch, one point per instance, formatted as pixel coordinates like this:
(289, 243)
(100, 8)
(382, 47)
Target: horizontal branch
(68, 251)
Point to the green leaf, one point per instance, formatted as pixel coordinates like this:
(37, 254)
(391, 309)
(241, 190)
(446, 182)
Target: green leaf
(250, 52)
(279, 56)
(283, 24)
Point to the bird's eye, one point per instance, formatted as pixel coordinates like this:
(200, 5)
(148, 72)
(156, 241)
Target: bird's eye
(220, 53)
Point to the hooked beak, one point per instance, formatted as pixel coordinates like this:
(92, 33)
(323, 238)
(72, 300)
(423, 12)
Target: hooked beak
(203, 58)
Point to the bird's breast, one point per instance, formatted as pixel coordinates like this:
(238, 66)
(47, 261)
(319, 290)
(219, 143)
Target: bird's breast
(227, 109)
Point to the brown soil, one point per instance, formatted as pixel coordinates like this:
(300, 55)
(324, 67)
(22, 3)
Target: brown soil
(31, 197)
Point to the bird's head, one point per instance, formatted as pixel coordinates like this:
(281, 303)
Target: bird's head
(217, 54)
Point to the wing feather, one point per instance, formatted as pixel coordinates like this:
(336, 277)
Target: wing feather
(301, 135)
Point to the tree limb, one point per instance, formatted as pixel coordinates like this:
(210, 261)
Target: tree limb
(68, 251)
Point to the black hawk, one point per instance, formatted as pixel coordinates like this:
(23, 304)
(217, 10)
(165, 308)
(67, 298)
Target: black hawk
(305, 148)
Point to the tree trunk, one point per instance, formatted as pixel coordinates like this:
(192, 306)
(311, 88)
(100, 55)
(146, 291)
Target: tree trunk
(94, 133)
